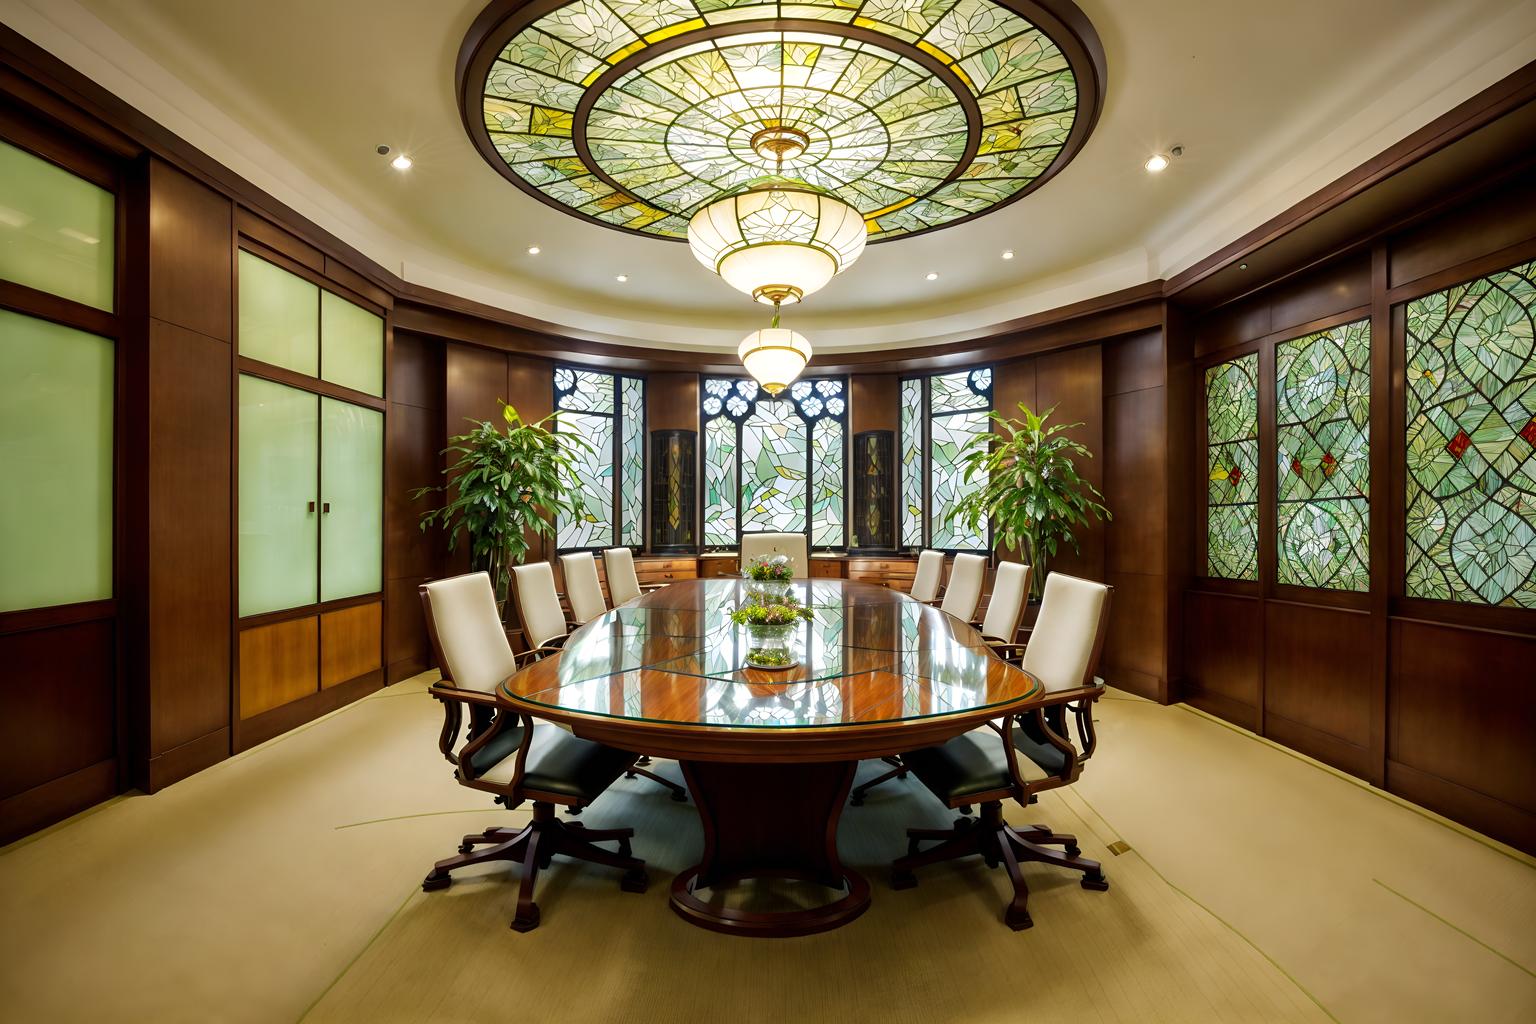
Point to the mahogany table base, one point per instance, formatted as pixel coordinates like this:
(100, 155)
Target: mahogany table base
(769, 821)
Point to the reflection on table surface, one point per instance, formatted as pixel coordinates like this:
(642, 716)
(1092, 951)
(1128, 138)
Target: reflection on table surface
(869, 655)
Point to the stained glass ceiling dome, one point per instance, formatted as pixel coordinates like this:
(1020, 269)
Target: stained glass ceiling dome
(917, 113)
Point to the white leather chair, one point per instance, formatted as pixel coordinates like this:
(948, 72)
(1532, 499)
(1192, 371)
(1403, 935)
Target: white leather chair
(507, 754)
(766, 545)
(623, 583)
(963, 592)
(1000, 626)
(582, 587)
(538, 606)
(929, 577)
(982, 766)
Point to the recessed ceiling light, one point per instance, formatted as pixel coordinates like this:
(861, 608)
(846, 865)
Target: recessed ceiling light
(622, 278)
(401, 163)
(534, 250)
(1156, 162)
(1007, 254)
(933, 277)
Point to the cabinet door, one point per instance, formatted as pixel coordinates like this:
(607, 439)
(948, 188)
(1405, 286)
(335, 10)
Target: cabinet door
(278, 483)
(279, 316)
(352, 499)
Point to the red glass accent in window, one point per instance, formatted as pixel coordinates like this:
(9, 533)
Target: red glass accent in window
(1296, 465)
(1529, 432)
(1235, 476)
(1459, 444)
(1330, 464)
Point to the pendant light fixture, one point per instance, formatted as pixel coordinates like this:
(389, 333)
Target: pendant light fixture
(774, 356)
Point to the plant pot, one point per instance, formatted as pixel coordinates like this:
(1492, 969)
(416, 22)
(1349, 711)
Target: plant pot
(767, 592)
(769, 646)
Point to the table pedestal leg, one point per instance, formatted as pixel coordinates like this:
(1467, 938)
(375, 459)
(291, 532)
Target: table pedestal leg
(770, 821)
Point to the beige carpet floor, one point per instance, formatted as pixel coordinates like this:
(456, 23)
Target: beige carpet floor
(284, 885)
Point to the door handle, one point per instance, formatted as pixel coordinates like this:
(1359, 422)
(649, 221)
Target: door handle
(311, 508)
(325, 507)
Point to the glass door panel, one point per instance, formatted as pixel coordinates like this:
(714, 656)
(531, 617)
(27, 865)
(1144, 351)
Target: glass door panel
(56, 401)
(56, 230)
(351, 345)
(279, 518)
(279, 316)
(352, 491)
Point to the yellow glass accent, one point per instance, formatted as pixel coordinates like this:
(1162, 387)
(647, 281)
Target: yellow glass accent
(56, 404)
(927, 47)
(634, 47)
(674, 30)
(547, 121)
(56, 230)
(908, 201)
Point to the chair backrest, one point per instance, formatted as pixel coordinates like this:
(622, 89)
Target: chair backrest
(538, 603)
(756, 545)
(964, 591)
(623, 584)
(1068, 635)
(466, 632)
(930, 573)
(1009, 589)
(582, 586)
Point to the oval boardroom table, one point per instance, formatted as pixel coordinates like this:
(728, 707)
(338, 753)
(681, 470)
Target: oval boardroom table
(769, 756)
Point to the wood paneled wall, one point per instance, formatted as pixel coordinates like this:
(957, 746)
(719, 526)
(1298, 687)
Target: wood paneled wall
(417, 436)
(1428, 699)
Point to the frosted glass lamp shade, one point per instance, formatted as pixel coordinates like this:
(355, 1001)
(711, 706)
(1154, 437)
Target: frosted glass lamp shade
(777, 244)
(774, 357)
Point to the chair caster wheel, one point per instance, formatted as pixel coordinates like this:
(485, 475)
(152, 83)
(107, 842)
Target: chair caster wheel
(528, 922)
(991, 862)
(624, 850)
(434, 882)
(573, 811)
(903, 880)
(635, 881)
(965, 808)
(1018, 920)
(679, 796)
(1074, 850)
(1097, 883)
(856, 800)
(466, 847)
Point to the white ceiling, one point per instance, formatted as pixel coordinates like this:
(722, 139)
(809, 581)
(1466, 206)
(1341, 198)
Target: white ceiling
(1270, 100)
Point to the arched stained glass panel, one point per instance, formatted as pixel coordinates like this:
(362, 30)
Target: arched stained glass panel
(1471, 441)
(1232, 463)
(1322, 417)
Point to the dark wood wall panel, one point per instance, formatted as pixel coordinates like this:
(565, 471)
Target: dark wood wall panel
(1073, 382)
(1317, 682)
(475, 378)
(190, 257)
(874, 402)
(1135, 461)
(1339, 285)
(1136, 645)
(416, 438)
(54, 682)
(672, 401)
(1488, 224)
(1221, 656)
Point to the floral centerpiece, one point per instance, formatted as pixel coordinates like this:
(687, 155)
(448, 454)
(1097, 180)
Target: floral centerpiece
(769, 626)
(768, 578)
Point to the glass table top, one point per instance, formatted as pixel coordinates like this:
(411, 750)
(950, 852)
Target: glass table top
(870, 655)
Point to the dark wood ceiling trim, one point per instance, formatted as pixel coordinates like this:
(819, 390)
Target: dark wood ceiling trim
(1486, 107)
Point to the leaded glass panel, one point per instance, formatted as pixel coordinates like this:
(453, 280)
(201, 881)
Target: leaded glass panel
(593, 481)
(773, 468)
(948, 481)
(912, 462)
(1471, 441)
(1322, 414)
(1232, 440)
(632, 463)
(719, 482)
(827, 447)
(955, 392)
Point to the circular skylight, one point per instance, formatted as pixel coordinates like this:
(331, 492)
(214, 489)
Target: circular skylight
(917, 113)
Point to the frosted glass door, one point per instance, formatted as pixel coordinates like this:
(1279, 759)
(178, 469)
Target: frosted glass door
(279, 516)
(352, 493)
(279, 316)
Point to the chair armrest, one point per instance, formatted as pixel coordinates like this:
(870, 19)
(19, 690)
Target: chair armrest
(453, 693)
(539, 653)
(1006, 649)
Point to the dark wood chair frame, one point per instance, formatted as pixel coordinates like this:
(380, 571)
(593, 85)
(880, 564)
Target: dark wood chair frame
(545, 836)
(998, 842)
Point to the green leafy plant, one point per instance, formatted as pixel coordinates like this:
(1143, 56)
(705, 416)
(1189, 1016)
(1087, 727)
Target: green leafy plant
(1032, 492)
(507, 486)
(785, 613)
(771, 569)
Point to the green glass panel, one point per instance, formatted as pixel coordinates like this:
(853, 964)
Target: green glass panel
(56, 230)
(1322, 419)
(950, 434)
(720, 482)
(279, 317)
(56, 402)
(1471, 441)
(352, 496)
(593, 481)
(1232, 446)
(351, 345)
(773, 468)
(827, 443)
(583, 390)
(279, 520)
(632, 462)
(912, 462)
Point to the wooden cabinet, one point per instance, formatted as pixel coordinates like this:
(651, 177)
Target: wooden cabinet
(826, 568)
(278, 664)
(711, 566)
(664, 570)
(896, 573)
(350, 643)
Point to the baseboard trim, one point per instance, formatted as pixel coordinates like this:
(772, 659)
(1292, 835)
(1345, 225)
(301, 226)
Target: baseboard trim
(57, 799)
(1348, 757)
(258, 729)
(1488, 815)
(1225, 708)
(186, 759)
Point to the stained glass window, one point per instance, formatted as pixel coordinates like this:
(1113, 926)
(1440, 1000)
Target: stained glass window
(918, 113)
(939, 416)
(1471, 441)
(774, 465)
(608, 412)
(1232, 458)
(1322, 418)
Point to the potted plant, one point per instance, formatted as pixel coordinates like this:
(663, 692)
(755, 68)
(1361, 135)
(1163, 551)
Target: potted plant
(1031, 491)
(769, 577)
(768, 628)
(508, 486)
